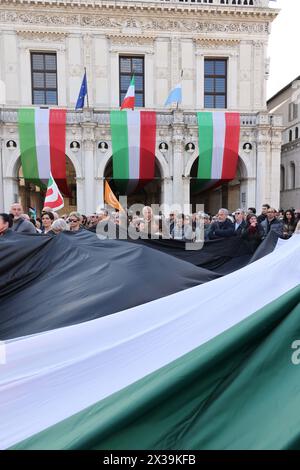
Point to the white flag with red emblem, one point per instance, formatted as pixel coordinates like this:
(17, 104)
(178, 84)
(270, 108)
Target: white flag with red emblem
(53, 198)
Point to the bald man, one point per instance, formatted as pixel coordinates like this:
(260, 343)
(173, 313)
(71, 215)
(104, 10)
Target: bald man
(20, 225)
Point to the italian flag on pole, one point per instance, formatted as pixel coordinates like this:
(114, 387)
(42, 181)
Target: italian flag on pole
(218, 370)
(53, 198)
(133, 143)
(43, 143)
(128, 102)
(219, 136)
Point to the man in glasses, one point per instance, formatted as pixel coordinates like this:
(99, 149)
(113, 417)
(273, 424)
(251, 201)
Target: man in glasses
(239, 222)
(271, 223)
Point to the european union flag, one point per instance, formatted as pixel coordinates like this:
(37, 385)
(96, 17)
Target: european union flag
(82, 93)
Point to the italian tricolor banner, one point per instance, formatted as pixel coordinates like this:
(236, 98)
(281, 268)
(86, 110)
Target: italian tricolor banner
(43, 144)
(53, 198)
(218, 136)
(133, 143)
(206, 374)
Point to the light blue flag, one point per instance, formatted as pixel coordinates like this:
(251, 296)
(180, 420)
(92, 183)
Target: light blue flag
(175, 95)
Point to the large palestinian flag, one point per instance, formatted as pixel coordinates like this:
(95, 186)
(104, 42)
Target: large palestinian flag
(133, 135)
(43, 144)
(211, 367)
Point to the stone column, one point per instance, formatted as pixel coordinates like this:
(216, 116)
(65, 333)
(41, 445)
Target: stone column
(166, 193)
(10, 191)
(177, 140)
(99, 192)
(80, 194)
(149, 76)
(250, 189)
(186, 193)
(62, 84)
(199, 80)
(114, 79)
(88, 164)
(88, 61)
(263, 167)
(232, 81)
(275, 154)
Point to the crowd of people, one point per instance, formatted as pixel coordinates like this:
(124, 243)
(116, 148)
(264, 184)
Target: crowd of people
(190, 228)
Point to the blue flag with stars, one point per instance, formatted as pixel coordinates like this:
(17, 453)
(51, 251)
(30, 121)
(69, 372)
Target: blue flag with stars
(82, 93)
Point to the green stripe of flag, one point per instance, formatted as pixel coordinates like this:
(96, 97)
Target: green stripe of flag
(28, 144)
(119, 136)
(205, 136)
(237, 391)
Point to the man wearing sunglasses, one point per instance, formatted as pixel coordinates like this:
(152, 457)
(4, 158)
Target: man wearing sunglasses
(239, 222)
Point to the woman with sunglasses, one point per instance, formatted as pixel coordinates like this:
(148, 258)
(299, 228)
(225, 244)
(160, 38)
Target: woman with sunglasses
(75, 221)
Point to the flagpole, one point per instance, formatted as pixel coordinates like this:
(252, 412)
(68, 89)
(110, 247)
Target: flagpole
(87, 89)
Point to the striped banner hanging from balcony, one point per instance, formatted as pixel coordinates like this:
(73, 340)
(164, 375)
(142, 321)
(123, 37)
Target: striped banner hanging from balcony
(133, 143)
(42, 135)
(219, 136)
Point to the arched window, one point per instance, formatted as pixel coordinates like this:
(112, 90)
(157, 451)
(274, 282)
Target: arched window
(290, 135)
(282, 178)
(296, 133)
(292, 176)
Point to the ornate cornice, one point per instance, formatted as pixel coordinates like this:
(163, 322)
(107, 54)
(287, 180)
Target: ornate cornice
(159, 18)
(48, 36)
(216, 43)
(129, 39)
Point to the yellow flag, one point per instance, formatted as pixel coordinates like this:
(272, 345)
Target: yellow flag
(111, 199)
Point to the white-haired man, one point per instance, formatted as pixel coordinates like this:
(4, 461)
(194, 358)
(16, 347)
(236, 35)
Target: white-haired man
(20, 224)
(223, 227)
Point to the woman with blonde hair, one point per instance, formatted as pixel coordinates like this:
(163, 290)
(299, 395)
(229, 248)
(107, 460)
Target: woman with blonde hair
(75, 221)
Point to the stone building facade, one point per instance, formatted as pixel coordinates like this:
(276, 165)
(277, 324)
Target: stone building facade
(286, 103)
(175, 38)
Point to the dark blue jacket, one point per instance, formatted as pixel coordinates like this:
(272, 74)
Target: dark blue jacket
(221, 230)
